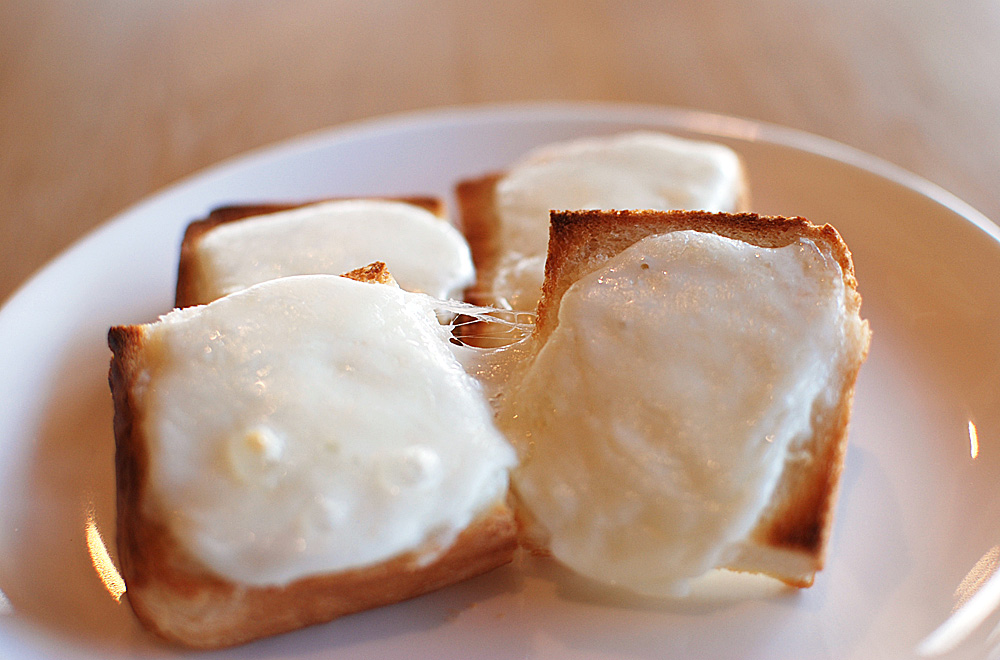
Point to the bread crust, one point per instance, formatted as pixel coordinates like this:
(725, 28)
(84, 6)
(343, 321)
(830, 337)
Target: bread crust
(374, 273)
(480, 224)
(187, 270)
(791, 537)
(180, 600)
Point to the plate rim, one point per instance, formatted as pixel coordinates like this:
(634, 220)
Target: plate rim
(708, 123)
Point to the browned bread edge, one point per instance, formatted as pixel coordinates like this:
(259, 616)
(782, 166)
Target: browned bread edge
(481, 227)
(375, 273)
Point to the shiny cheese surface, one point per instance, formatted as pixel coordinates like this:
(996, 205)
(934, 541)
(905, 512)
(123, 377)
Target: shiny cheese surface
(423, 252)
(641, 170)
(315, 424)
(654, 423)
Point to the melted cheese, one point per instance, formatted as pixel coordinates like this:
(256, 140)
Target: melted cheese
(630, 171)
(654, 423)
(424, 253)
(315, 424)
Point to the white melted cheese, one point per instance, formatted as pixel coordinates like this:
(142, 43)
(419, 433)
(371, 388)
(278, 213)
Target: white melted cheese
(641, 170)
(315, 424)
(654, 423)
(423, 252)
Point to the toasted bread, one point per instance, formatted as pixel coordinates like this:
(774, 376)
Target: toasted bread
(182, 600)
(194, 284)
(789, 540)
(483, 224)
(373, 273)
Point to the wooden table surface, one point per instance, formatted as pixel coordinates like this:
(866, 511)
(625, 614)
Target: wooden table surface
(104, 102)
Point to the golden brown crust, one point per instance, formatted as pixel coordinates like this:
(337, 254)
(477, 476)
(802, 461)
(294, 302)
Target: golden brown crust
(374, 273)
(789, 541)
(187, 269)
(183, 602)
(481, 226)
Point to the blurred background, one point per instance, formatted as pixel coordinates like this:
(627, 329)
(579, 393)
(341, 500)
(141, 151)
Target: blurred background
(104, 102)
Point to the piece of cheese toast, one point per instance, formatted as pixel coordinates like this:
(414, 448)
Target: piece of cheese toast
(206, 582)
(504, 215)
(759, 356)
(238, 246)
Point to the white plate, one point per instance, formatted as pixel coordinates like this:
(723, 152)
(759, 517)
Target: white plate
(918, 519)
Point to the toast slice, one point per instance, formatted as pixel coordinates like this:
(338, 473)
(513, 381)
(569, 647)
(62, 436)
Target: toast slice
(286, 240)
(790, 537)
(509, 259)
(171, 587)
